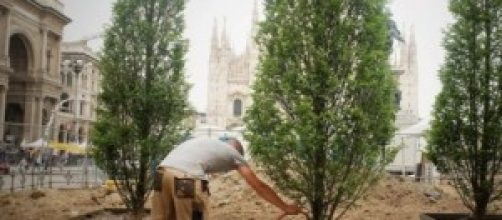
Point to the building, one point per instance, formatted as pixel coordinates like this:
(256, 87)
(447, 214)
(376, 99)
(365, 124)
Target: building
(405, 66)
(230, 78)
(80, 87)
(410, 128)
(43, 81)
(229, 93)
(30, 54)
(231, 75)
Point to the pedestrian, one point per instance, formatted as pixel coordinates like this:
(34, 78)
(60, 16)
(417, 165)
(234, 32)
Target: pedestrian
(61, 162)
(181, 185)
(22, 169)
(22, 166)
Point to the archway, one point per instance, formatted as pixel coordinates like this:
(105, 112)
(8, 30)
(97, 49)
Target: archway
(65, 107)
(45, 117)
(237, 108)
(62, 134)
(397, 99)
(81, 135)
(15, 108)
(18, 55)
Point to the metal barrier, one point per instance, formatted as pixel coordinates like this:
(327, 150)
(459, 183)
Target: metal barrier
(35, 177)
(76, 171)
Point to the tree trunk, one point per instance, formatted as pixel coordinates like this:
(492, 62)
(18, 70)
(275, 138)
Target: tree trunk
(318, 210)
(137, 214)
(481, 204)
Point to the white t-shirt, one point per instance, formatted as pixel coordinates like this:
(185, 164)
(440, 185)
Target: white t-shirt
(201, 156)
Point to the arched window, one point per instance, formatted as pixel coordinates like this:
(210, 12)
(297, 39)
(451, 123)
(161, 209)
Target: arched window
(69, 80)
(66, 105)
(49, 61)
(80, 135)
(82, 107)
(45, 117)
(62, 133)
(18, 54)
(84, 82)
(398, 99)
(237, 107)
(63, 78)
(14, 113)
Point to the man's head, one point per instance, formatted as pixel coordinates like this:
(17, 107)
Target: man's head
(234, 143)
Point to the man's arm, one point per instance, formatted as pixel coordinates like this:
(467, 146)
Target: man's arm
(264, 191)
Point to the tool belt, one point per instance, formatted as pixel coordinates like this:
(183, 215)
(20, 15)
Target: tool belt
(184, 187)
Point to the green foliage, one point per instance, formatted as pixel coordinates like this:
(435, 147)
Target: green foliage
(143, 101)
(465, 141)
(323, 105)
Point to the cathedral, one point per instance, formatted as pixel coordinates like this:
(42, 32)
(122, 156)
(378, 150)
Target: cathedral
(405, 67)
(231, 76)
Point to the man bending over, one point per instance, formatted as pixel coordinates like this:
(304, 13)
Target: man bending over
(181, 185)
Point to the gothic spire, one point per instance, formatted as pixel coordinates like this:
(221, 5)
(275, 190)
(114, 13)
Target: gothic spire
(404, 53)
(413, 72)
(255, 13)
(412, 52)
(251, 44)
(225, 41)
(412, 42)
(214, 40)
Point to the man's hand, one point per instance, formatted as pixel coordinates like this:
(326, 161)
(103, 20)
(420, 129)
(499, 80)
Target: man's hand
(292, 210)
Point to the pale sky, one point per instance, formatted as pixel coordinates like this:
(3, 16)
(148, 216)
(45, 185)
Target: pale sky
(428, 17)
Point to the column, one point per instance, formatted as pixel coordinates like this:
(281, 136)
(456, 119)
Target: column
(4, 35)
(55, 125)
(57, 57)
(38, 129)
(29, 116)
(77, 107)
(3, 92)
(43, 50)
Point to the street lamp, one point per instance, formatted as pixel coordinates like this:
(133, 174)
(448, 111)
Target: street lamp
(77, 66)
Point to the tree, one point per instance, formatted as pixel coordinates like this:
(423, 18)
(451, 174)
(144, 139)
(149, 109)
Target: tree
(143, 101)
(465, 140)
(323, 105)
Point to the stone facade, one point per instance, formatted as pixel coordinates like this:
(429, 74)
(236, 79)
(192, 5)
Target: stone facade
(36, 75)
(231, 75)
(30, 54)
(230, 78)
(405, 66)
(75, 117)
(229, 94)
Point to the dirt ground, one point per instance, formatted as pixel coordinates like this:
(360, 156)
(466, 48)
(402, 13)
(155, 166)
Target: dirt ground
(392, 199)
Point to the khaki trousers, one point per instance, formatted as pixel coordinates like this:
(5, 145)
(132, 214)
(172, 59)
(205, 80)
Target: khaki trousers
(167, 204)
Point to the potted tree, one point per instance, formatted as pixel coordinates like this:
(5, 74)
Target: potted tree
(143, 102)
(323, 105)
(465, 140)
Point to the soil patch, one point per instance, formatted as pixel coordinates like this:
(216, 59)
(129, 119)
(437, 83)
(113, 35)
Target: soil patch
(394, 198)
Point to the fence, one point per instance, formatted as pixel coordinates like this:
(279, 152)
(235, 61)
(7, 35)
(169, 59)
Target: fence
(34, 176)
(75, 171)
